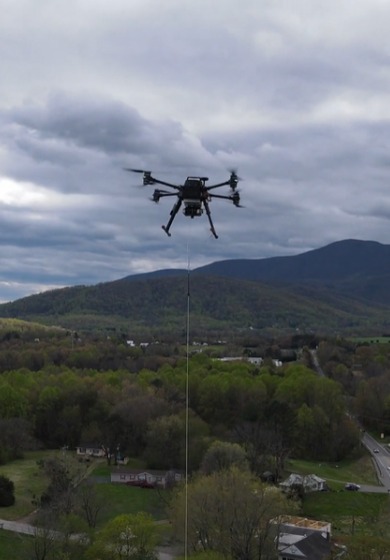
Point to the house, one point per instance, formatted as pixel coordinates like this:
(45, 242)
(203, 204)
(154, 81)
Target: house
(146, 478)
(90, 450)
(303, 547)
(309, 483)
(302, 538)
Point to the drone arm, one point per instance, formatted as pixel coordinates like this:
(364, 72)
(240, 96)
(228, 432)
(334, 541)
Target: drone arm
(159, 194)
(219, 185)
(149, 180)
(207, 208)
(154, 181)
(235, 198)
(174, 211)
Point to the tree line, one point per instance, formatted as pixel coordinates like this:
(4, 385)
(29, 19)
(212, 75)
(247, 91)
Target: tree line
(272, 412)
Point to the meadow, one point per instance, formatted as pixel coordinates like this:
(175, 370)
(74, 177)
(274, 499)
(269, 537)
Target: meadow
(360, 471)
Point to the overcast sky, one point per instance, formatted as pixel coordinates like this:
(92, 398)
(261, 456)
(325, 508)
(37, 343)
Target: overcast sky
(295, 94)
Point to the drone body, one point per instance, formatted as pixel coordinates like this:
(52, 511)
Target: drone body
(194, 195)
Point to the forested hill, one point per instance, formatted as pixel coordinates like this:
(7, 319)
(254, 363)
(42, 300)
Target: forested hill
(341, 287)
(337, 262)
(353, 267)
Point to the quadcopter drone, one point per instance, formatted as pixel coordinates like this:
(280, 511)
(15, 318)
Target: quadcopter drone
(194, 194)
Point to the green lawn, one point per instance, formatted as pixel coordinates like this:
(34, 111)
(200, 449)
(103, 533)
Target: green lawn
(119, 498)
(348, 511)
(360, 471)
(371, 339)
(101, 467)
(12, 545)
(29, 482)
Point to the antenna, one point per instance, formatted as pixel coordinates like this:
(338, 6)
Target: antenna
(187, 409)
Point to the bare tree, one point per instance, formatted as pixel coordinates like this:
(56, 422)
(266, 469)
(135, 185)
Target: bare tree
(89, 503)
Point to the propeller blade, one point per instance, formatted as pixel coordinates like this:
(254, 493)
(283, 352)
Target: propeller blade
(233, 173)
(135, 170)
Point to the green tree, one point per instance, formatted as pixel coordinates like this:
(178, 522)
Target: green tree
(13, 404)
(165, 442)
(126, 537)
(7, 492)
(368, 548)
(229, 512)
(223, 455)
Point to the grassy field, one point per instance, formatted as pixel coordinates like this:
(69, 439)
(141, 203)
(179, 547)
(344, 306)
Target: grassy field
(29, 482)
(119, 498)
(102, 469)
(12, 545)
(360, 471)
(371, 339)
(349, 512)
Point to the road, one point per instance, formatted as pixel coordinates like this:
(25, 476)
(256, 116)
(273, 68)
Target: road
(316, 363)
(380, 453)
(163, 552)
(381, 457)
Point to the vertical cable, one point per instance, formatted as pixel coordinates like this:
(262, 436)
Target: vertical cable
(187, 409)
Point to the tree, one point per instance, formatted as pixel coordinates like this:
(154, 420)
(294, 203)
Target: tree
(59, 496)
(165, 442)
(43, 545)
(368, 548)
(7, 492)
(126, 537)
(56, 539)
(89, 503)
(13, 404)
(229, 512)
(15, 437)
(223, 455)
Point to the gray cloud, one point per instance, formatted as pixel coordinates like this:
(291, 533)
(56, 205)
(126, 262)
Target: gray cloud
(295, 97)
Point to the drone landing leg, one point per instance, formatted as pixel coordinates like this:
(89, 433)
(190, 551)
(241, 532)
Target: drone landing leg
(174, 211)
(206, 205)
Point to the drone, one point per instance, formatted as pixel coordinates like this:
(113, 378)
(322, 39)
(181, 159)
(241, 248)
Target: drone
(194, 194)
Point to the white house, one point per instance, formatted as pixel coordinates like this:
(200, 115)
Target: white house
(146, 478)
(309, 482)
(90, 450)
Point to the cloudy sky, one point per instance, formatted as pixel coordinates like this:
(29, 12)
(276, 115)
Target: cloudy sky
(295, 94)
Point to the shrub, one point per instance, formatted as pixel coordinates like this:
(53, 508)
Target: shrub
(7, 492)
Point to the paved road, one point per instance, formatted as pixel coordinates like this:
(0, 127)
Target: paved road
(381, 456)
(17, 527)
(316, 363)
(163, 553)
(380, 453)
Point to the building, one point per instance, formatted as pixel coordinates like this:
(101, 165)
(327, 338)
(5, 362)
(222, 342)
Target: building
(309, 483)
(302, 538)
(90, 450)
(146, 478)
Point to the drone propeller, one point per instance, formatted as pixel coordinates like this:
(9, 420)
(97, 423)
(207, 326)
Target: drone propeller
(236, 199)
(158, 193)
(234, 179)
(233, 173)
(136, 170)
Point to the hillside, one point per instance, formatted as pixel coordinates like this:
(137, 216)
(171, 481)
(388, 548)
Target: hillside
(352, 267)
(341, 287)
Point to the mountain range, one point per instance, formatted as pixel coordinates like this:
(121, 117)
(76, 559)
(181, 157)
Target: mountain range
(342, 287)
